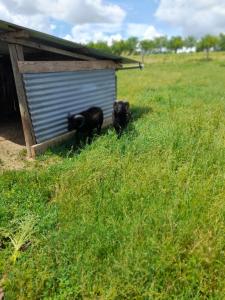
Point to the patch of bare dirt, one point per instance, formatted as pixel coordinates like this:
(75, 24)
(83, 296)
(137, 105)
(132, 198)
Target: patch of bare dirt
(12, 145)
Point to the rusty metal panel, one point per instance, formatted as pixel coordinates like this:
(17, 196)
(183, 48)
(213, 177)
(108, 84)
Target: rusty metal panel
(53, 96)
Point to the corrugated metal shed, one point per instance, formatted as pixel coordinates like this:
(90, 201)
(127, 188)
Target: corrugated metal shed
(52, 96)
(55, 78)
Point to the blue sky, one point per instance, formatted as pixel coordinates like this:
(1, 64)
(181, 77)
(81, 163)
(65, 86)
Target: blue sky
(137, 12)
(85, 20)
(143, 11)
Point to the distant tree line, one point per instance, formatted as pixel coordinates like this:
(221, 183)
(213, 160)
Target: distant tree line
(162, 44)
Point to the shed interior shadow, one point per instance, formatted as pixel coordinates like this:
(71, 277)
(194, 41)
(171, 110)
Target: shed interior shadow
(10, 120)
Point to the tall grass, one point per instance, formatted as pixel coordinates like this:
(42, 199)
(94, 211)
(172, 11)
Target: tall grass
(142, 217)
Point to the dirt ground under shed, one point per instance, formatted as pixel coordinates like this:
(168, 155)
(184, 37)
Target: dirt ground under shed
(12, 145)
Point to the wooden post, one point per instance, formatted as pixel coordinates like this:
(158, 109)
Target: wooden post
(16, 54)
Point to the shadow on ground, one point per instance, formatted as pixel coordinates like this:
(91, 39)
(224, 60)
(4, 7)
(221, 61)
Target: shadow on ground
(203, 60)
(139, 111)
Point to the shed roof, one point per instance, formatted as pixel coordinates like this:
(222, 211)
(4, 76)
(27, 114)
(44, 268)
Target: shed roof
(50, 40)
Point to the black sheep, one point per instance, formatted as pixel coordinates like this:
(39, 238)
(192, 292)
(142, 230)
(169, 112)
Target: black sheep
(85, 123)
(121, 116)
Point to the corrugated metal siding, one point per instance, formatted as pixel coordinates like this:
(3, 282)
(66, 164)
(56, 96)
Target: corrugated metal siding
(52, 96)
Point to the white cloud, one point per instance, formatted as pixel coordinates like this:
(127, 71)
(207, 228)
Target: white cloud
(194, 17)
(37, 21)
(53, 27)
(143, 31)
(110, 32)
(87, 11)
(91, 20)
(24, 7)
(71, 11)
(95, 32)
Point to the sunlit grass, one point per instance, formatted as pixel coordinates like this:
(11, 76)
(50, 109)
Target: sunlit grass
(141, 217)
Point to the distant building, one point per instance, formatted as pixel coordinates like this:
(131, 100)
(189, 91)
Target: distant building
(187, 50)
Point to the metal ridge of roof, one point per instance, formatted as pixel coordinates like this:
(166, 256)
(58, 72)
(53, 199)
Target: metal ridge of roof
(65, 44)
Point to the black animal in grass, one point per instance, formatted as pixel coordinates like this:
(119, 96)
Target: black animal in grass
(121, 116)
(86, 122)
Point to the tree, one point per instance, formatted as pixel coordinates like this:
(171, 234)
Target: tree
(161, 42)
(190, 42)
(207, 43)
(131, 45)
(100, 45)
(222, 42)
(146, 47)
(176, 43)
(118, 47)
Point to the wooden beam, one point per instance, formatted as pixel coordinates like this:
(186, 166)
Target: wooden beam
(19, 34)
(64, 66)
(42, 147)
(16, 54)
(42, 47)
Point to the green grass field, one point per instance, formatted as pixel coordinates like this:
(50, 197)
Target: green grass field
(142, 217)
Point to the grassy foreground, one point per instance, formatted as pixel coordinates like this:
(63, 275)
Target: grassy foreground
(142, 217)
